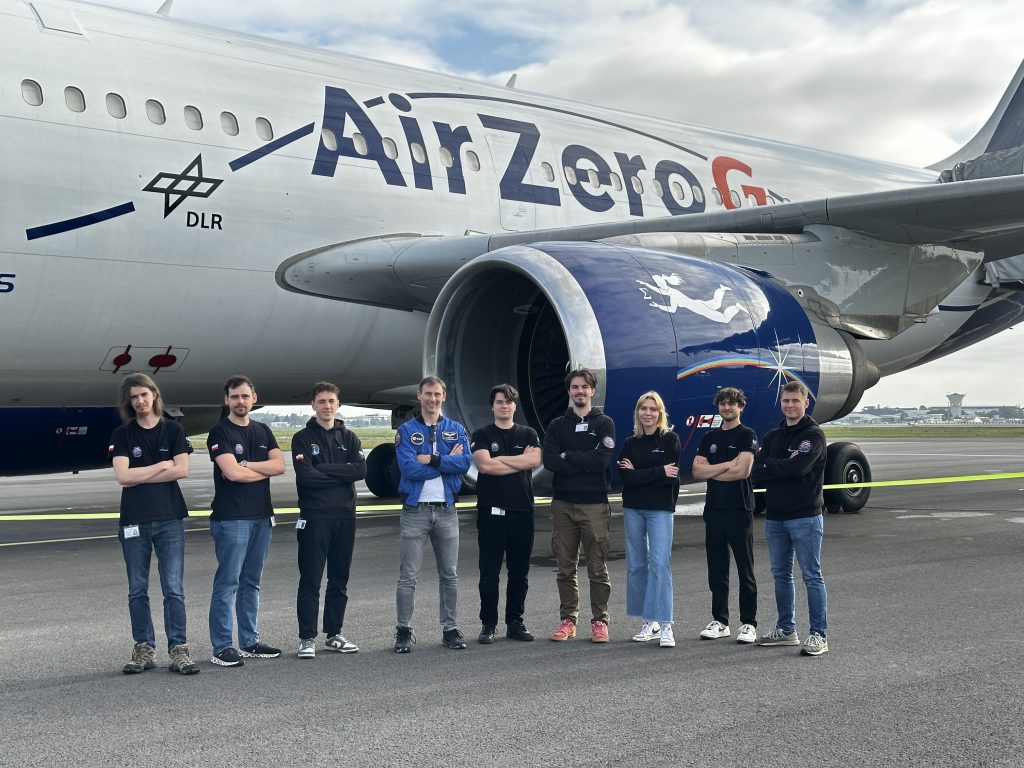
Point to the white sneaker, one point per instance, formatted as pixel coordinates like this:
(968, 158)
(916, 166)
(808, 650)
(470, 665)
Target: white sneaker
(307, 649)
(714, 630)
(667, 640)
(747, 634)
(651, 630)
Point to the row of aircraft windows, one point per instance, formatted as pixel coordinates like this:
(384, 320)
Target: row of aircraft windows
(32, 93)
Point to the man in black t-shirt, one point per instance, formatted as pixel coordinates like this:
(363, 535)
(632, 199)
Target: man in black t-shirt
(245, 456)
(150, 454)
(505, 455)
(724, 459)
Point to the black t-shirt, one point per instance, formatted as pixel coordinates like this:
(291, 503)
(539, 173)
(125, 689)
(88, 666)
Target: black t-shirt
(719, 446)
(513, 493)
(240, 501)
(149, 502)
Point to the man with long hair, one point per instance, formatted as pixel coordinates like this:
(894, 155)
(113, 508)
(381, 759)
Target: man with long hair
(150, 454)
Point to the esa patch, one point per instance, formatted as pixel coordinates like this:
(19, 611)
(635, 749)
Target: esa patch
(449, 437)
(137, 452)
(495, 447)
(239, 450)
(314, 449)
(713, 448)
(804, 447)
(607, 442)
(416, 438)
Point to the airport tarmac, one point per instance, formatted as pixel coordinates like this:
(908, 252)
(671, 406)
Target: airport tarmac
(924, 666)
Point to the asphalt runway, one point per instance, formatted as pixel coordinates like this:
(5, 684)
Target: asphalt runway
(924, 666)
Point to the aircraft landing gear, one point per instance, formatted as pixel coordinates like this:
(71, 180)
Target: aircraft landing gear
(846, 464)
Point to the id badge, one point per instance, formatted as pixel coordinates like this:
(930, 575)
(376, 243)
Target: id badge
(498, 511)
(300, 524)
(273, 521)
(582, 427)
(131, 531)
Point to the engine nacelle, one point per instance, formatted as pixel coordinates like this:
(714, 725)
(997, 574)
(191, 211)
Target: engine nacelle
(641, 319)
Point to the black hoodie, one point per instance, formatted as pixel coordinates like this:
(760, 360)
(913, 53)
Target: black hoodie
(582, 477)
(791, 468)
(327, 464)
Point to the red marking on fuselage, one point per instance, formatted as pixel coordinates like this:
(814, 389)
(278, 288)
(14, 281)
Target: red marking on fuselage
(123, 359)
(164, 360)
(720, 168)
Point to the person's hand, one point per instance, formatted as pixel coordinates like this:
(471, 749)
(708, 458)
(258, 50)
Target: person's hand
(457, 450)
(423, 458)
(625, 464)
(671, 470)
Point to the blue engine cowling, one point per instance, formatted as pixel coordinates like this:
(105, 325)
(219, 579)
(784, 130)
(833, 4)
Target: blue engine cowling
(641, 319)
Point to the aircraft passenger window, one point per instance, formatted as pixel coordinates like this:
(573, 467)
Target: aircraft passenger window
(446, 157)
(734, 196)
(592, 178)
(74, 98)
(751, 199)
(115, 106)
(658, 190)
(698, 193)
(391, 149)
(419, 154)
(155, 112)
(616, 182)
(229, 123)
(31, 92)
(328, 139)
(549, 172)
(472, 160)
(638, 186)
(264, 129)
(193, 118)
(717, 195)
(360, 144)
(677, 191)
(570, 175)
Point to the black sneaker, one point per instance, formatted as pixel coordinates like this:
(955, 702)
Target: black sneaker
(486, 636)
(518, 631)
(260, 650)
(453, 639)
(228, 658)
(404, 639)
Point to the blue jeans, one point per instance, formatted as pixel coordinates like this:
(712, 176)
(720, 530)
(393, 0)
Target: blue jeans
(167, 539)
(648, 555)
(241, 547)
(801, 537)
(439, 523)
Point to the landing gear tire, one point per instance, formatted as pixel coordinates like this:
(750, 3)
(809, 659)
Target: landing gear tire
(382, 471)
(845, 464)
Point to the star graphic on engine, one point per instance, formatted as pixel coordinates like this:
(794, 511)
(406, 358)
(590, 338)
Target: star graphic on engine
(175, 187)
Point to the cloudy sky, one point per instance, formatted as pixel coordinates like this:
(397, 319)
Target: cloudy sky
(892, 79)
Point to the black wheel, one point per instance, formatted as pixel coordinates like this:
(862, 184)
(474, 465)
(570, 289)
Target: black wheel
(846, 464)
(382, 471)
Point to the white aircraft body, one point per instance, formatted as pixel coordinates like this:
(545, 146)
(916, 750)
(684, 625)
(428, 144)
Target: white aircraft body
(193, 203)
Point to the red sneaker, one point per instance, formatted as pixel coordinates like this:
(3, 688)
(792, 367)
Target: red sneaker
(565, 630)
(600, 631)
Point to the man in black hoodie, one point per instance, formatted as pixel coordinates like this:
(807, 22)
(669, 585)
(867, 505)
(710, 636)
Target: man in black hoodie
(328, 460)
(577, 450)
(791, 468)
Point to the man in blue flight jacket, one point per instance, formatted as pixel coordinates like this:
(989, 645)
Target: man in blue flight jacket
(433, 454)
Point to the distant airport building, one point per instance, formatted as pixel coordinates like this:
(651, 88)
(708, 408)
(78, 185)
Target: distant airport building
(956, 402)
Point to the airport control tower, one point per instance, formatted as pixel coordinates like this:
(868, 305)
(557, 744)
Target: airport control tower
(956, 402)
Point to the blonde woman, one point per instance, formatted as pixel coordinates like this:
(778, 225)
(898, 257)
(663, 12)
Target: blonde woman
(649, 469)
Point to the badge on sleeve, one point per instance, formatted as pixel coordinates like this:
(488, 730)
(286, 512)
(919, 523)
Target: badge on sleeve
(804, 447)
(398, 438)
(607, 442)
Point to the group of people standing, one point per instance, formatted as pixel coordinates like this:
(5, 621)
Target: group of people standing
(150, 454)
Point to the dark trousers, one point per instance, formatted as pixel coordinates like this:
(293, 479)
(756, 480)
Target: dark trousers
(508, 537)
(323, 542)
(725, 530)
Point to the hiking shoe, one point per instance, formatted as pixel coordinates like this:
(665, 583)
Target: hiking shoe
(307, 649)
(776, 636)
(714, 630)
(518, 631)
(340, 644)
(599, 631)
(181, 662)
(667, 639)
(747, 634)
(651, 630)
(404, 639)
(486, 636)
(142, 659)
(229, 657)
(260, 650)
(453, 638)
(814, 645)
(566, 630)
